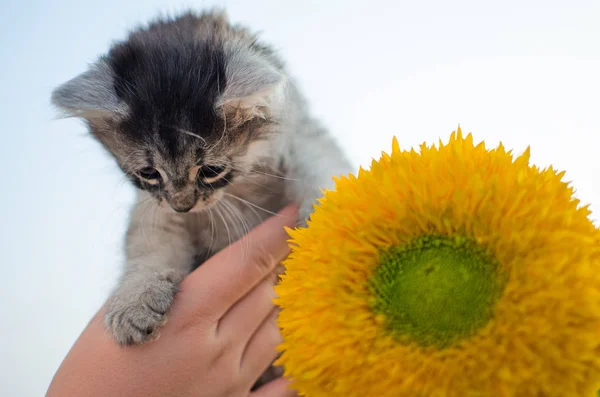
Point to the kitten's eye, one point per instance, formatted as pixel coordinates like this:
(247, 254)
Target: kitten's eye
(211, 171)
(149, 173)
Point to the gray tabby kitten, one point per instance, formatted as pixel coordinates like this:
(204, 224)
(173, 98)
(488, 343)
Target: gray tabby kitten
(204, 120)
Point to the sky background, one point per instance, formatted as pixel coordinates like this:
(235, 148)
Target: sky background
(521, 72)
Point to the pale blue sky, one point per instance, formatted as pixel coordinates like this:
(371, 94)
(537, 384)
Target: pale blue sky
(524, 72)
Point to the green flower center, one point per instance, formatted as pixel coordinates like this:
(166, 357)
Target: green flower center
(436, 290)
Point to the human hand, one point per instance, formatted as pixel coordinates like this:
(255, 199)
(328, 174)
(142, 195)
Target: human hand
(220, 337)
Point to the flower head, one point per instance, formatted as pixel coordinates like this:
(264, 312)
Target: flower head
(454, 271)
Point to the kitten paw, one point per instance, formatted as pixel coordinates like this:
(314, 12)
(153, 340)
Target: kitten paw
(139, 308)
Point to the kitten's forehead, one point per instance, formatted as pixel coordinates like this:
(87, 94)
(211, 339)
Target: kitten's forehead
(178, 149)
(168, 90)
(172, 143)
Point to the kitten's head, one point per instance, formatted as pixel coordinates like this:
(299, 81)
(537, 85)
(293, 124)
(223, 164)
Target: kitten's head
(186, 106)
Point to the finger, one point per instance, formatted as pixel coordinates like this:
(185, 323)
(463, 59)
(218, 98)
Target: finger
(261, 350)
(243, 319)
(277, 388)
(231, 273)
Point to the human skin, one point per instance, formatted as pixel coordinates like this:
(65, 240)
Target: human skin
(220, 336)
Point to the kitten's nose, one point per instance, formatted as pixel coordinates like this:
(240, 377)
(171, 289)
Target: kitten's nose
(182, 202)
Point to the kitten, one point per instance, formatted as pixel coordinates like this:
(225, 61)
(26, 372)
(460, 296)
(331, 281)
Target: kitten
(206, 123)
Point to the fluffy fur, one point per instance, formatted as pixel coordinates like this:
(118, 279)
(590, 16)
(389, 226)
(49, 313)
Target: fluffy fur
(207, 124)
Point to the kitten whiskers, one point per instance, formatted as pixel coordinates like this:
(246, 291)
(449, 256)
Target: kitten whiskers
(251, 204)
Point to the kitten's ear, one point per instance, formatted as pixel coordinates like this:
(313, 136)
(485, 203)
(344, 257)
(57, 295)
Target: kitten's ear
(89, 95)
(253, 83)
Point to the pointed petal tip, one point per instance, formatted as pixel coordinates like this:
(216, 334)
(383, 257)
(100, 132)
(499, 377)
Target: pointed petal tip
(459, 134)
(395, 145)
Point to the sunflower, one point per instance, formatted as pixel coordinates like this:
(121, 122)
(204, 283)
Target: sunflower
(451, 271)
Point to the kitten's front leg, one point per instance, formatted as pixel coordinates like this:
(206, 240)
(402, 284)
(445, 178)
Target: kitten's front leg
(159, 255)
